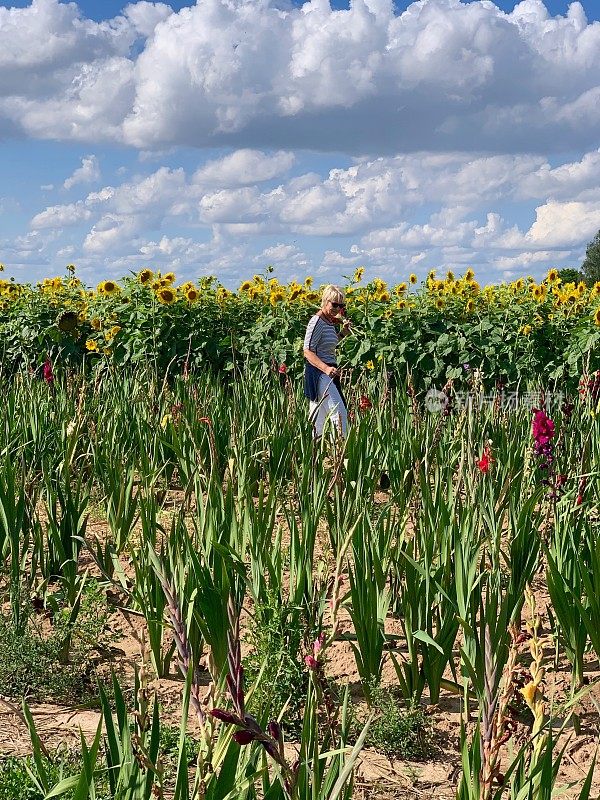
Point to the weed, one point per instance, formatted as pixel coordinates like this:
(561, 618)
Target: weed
(275, 644)
(399, 732)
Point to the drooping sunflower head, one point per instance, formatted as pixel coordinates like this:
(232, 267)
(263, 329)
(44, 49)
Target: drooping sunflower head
(597, 317)
(470, 305)
(145, 276)
(358, 274)
(67, 321)
(469, 274)
(166, 295)
(245, 286)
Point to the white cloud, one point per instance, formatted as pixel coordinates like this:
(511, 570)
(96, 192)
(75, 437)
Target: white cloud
(61, 216)
(243, 167)
(88, 172)
(442, 75)
(564, 224)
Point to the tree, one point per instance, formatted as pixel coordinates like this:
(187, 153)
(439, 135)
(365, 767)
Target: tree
(591, 262)
(570, 275)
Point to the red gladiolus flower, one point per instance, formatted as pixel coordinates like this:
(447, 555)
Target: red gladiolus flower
(224, 716)
(243, 737)
(364, 403)
(485, 460)
(48, 374)
(282, 369)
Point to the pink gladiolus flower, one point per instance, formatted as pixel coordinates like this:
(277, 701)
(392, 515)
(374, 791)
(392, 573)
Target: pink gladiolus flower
(48, 374)
(282, 369)
(311, 662)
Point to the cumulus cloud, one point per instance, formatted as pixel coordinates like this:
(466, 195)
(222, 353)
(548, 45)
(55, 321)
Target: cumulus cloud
(443, 75)
(244, 167)
(88, 172)
(61, 216)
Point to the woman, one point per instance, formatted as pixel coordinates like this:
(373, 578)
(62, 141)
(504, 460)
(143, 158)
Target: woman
(321, 373)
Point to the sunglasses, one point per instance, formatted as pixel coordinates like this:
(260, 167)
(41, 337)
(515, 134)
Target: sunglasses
(339, 305)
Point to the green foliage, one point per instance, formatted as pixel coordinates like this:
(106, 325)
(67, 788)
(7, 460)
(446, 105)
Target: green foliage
(570, 275)
(591, 263)
(54, 660)
(275, 656)
(398, 732)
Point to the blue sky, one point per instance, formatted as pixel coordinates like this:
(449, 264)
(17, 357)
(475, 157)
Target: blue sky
(217, 139)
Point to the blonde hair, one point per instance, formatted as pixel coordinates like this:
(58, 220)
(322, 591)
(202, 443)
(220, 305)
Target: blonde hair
(332, 294)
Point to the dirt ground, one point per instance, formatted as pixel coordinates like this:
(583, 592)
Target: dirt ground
(377, 777)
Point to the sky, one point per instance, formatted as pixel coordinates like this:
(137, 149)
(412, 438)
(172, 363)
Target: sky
(224, 136)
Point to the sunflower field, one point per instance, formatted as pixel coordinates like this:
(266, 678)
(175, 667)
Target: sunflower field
(199, 601)
(511, 333)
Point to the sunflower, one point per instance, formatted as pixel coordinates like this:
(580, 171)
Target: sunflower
(470, 306)
(450, 276)
(519, 284)
(145, 276)
(539, 294)
(166, 295)
(110, 287)
(112, 332)
(192, 295)
(169, 277)
(469, 275)
(370, 365)
(91, 345)
(597, 317)
(552, 275)
(276, 297)
(401, 304)
(526, 330)
(67, 321)
(412, 278)
(245, 286)
(308, 282)
(439, 304)
(96, 324)
(400, 289)
(358, 274)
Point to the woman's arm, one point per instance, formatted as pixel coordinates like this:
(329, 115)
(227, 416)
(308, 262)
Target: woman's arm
(314, 359)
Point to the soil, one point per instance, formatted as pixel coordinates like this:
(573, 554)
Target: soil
(377, 776)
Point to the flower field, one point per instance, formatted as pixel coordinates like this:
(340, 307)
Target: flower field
(228, 610)
(513, 333)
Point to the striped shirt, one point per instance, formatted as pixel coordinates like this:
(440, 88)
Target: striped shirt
(321, 339)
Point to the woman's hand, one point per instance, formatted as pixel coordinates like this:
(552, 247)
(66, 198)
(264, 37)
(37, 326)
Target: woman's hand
(346, 327)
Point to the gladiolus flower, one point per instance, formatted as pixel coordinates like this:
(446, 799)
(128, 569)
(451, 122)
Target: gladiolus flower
(274, 730)
(243, 737)
(48, 374)
(282, 369)
(486, 459)
(364, 403)
(311, 662)
(225, 716)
